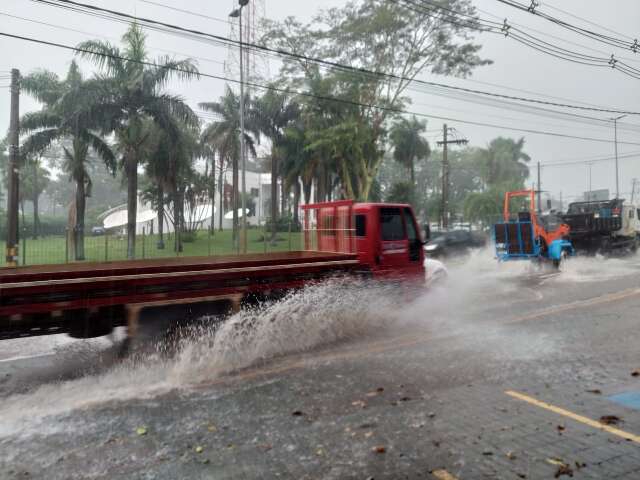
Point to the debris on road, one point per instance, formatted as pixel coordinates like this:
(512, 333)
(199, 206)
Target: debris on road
(635, 373)
(199, 449)
(595, 391)
(610, 420)
(297, 413)
(379, 449)
(141, 431)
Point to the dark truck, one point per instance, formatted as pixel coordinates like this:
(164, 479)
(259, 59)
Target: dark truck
(604, 226)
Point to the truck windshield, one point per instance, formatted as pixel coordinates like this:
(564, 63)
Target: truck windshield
(391, 224)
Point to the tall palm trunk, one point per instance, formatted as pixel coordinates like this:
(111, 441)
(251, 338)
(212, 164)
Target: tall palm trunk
(36, 217)
(296, 200)
(412, 171)
(160, 206)
(36, 195)
(220, 195)
(274, 195)
(131, 168)
(177, 218)
(78, 229)
(235, 202)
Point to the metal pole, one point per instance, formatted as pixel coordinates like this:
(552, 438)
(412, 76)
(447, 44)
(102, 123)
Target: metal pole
(615, 141)
(143, 242)
(106, 246)
(539, 192)
(242, 147)
(445, 179)
(11, 256)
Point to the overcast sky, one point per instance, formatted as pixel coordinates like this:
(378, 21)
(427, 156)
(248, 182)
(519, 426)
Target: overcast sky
(516, 68)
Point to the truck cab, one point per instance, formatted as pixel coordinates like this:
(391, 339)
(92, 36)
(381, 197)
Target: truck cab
(385, 236)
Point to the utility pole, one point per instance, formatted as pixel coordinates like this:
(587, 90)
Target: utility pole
(539, 192)
(444, 206)
(11, 256)
(615, 141)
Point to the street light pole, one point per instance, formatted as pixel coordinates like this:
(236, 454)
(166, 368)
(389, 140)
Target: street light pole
(615, 141)
(243, 164)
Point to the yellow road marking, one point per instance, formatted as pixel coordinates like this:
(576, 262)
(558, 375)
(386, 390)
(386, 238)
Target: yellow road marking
(574, 416)
(443, 475)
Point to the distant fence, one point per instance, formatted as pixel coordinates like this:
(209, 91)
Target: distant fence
(56, 247)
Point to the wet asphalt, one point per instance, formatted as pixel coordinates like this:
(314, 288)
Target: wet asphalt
(420, 394)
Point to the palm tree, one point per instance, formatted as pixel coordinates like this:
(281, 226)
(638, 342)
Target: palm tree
(274, 112)
(130, 90)
(409, 145)
(62, 119)
(224, 136)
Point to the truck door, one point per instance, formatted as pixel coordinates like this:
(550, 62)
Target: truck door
(414, 241)
(393, 239)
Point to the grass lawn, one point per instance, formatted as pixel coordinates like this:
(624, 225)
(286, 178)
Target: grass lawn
(53, 249)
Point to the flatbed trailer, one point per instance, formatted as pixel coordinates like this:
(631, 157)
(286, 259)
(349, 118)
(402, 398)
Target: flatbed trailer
(90, 299)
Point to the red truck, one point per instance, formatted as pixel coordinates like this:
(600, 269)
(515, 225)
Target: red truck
(90, 299)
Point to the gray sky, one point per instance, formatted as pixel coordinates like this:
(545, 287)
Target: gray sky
(516, 67)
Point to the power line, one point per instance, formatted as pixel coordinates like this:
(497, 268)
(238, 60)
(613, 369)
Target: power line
(548, 5)
(227, 41)
(535, 43)
(53, 25)
(319, 97)
(606, 39)
(587, 161)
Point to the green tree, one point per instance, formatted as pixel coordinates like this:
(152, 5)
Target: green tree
(62, 120)
(504, 161)
(379, 36)
(34, 179)
(274, 112)
(130, 91)
(224, 136)
(409, 144)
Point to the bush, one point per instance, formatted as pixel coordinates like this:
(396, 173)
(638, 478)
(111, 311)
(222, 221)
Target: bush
(282, 224)
(188, 237)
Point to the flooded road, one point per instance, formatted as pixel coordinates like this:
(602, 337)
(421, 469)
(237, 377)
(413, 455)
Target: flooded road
(340, 381)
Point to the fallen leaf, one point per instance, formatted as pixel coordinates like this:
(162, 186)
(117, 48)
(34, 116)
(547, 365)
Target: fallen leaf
(596, 391)
(320, 452)
(265, 447)
(368, 434)
(560, 428)
(379, 389)
(511, 455)
(141, 430)
(564, 470)
(297, 413)
(635, 373)
(199, 449)
(405, 399)
(431, 414)
(379, 449)
(580, 465)
(555, 461)
(610, 420)
(359, 403)
(212, 428)
(487, 452)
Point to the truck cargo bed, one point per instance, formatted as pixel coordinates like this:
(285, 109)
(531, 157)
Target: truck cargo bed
(94, 297)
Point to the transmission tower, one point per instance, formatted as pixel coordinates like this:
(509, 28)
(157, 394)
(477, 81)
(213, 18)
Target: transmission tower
(256, 64)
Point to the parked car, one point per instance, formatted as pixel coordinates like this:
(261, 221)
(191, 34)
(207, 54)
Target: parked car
(98, 231)
(456, 242)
